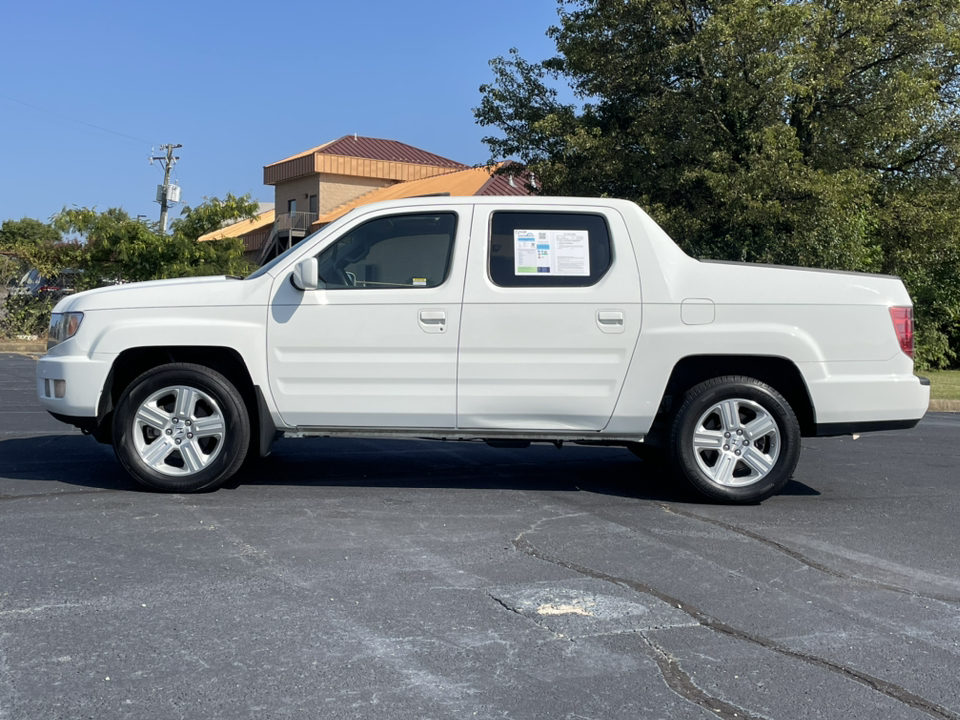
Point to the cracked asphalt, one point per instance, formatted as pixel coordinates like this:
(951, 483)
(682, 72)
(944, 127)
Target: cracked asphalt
(391, 579)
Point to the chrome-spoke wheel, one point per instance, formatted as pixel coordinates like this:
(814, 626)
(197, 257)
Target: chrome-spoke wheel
(736, 442)
(734, 439)
(178, 430)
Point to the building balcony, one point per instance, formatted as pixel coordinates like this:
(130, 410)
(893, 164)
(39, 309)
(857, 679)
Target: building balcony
(294, 221)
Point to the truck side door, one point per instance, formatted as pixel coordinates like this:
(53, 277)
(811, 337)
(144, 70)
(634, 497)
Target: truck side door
(551, 318)
(377, 345)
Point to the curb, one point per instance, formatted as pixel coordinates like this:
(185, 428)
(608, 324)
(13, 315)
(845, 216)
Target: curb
(33, 347)
(944, 406)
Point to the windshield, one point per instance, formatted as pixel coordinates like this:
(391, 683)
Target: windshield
(31, 278)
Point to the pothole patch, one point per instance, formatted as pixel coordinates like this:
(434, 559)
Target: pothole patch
(581, 608)
(578, 608)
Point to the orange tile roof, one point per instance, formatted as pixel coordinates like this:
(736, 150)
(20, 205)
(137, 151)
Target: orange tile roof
(461, 183)
(240, 228)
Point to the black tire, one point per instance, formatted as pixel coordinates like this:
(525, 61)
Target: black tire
(162, 406)
(756, 433)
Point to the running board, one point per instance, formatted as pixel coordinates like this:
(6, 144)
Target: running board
(458, 435)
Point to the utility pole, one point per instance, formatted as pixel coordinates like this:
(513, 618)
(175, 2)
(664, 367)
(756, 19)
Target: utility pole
(167, 193)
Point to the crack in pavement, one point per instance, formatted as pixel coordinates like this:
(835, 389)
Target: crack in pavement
(682, 684)
(674, 676)
(502, 604)
(804, 560)
(884, 687)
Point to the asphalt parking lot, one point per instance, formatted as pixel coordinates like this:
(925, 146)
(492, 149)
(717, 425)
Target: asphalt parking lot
(389, 579)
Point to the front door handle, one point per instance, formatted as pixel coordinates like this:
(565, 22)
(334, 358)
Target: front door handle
(433, 321)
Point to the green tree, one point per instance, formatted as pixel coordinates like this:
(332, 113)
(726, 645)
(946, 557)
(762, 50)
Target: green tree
(29, 243)
(221, 257)
(115, 246)
(24, 245)
(27, 233)
(823, 133)
(213, 214)
(112, 246)
(118, 247)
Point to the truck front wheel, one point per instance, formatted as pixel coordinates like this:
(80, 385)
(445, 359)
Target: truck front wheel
(735, 439)
(181, 428)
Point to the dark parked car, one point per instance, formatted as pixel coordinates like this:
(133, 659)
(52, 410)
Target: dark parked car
(36, 285)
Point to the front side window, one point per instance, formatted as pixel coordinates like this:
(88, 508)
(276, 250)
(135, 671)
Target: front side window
(548, 249)
(398, 251)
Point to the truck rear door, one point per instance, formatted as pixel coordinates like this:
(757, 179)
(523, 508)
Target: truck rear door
(551, 317)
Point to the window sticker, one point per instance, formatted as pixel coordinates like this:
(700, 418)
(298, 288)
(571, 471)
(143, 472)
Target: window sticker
(551, 252)
(419, 282)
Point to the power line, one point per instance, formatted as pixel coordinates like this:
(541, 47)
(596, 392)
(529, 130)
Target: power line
(81, 122)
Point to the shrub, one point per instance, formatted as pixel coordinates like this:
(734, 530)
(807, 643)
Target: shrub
(25, 315)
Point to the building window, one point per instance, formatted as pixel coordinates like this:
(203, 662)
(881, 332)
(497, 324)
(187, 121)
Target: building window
(548, 249)
(397, 251)
(292, 206)
(313, 204)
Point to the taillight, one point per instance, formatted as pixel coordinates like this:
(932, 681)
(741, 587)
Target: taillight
(903, 323)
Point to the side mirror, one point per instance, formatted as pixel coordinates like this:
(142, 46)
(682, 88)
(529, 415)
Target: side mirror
(306, 275)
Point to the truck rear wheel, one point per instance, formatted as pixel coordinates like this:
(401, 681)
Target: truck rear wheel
(735, 439)
(181, 428)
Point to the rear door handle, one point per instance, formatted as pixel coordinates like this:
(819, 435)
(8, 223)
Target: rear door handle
(610, 321)
(433, 321)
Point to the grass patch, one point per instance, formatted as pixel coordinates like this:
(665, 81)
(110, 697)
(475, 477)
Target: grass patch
(944, 384)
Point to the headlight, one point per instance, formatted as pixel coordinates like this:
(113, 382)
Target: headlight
(63, 326)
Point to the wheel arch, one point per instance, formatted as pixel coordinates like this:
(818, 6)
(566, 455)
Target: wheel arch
(133, 362)
(779, 373)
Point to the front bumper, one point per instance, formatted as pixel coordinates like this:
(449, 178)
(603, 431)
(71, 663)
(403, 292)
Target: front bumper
(70, 385)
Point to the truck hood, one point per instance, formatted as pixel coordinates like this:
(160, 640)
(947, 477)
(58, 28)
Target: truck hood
(177, 292)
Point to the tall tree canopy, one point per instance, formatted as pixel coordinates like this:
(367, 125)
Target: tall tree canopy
(28, 243)
(120, 248)
(823, 133)
(213, 214)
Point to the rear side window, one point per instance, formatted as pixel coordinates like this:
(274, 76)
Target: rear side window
(398, 251)
(548, 249)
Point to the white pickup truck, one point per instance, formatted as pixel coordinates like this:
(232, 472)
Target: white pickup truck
(508, 320)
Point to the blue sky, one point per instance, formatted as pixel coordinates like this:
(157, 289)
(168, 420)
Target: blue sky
(239, 85)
